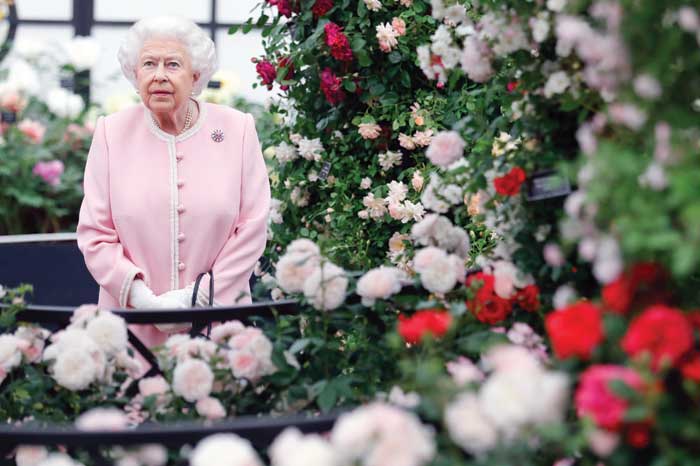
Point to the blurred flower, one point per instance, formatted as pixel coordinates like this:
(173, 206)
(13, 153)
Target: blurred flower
(445, 148)
(509, 184)
(50, 171)
(369, 130)
(338, 42)
(575, 330)
(486, 305)
(434, 322)
(292, 448)
(468, 426)
(224, 450)
(386, 36)
(210, 408)
(331, 86)
(102, 419)
(32, 129)
(378, 283)
(192, 379)
(326, 286)
(82, 52)
(595, 399)
(661, 332)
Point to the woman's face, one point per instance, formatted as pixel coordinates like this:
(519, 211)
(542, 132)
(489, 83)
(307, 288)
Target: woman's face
(164, 75)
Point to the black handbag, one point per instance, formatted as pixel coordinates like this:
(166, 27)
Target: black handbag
(197, 329)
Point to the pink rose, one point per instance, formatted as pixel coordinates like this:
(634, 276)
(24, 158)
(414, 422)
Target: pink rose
(210, 408)
(102, 419)
(445, 148)
(399, 26)
(153, 386)
(50, 171)
(12, 101)
(244, 365)
(33, 130)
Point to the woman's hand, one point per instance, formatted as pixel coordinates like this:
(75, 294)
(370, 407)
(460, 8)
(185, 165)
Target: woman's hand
(141, 297)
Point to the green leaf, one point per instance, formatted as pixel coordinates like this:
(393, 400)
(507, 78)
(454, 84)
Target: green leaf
(328, 396)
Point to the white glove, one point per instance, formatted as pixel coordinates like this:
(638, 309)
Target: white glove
(141, 297)
(181, 298)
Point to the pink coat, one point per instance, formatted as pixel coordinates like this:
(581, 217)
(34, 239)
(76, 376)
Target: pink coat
(165, 208)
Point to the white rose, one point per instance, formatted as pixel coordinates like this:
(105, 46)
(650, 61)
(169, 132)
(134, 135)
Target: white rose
(224, 450)
(59, 459)
(325, 288)
(82, 52)
(102, 419)
(379, 283)
(109, 332)
(506, 398)
(30, 455)
(10, 354)
(64, 104)
(292, 448)
(193, 379)
(468, 427)
(294, 268)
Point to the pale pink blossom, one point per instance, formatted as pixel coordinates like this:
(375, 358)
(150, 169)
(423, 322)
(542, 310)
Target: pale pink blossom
(30, 455)
(553, 255)
(32, 129)
(369, 130)
(50, 171)
(12, 101)
(379, 283)
(417, 181)
(476, 60)
(647, 87)
(464, 371)
(226, 330)
(445, 148)
(602, 442)
(153, 386)
(628, 115)
(406, 141)
(210, 408)
(193, 379)
(102, 419)
(386, 36)
(423, 138)
(688, 19)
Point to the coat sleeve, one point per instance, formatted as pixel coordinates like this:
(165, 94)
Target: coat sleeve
(97, 236)
(234, 265)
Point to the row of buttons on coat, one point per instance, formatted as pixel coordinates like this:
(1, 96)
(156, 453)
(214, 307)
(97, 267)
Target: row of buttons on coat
(180, 210)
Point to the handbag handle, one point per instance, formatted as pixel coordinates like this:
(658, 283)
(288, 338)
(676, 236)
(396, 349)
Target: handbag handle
(211, 288)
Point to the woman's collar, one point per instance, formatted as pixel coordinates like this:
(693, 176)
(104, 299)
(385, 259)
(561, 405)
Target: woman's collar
(182, 136)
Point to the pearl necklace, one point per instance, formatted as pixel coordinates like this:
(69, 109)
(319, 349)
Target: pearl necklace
(188, 119)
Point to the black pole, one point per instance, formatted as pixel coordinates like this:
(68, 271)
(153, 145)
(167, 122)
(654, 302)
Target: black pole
(83, 19)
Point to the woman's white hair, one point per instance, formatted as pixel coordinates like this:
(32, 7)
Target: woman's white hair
(200, 47)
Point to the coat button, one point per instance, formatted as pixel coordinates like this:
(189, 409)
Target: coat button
(179, 157)
(180, 183)
(181, 266)
(181, 237)
(180, 209)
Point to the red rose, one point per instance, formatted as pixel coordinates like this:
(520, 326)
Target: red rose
(267, 72)
(338, 42)
(285, 7)
(321, 7)
(575, 330)
(643, 283)
(428, 321)
(528, 298)
(594, 397)
(691, 368)
(486, 305)
(509, 184)
(331, 85)
(662, 332)
(512, 85)
(637, 434)
(286, 62)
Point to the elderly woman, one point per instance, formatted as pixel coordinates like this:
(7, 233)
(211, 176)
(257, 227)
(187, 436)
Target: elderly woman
(174, 187)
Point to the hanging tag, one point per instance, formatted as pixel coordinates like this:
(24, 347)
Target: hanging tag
(8, 117)
(547, 185)
(325, 170)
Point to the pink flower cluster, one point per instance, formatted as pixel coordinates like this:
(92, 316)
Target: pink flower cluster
(50, 171)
